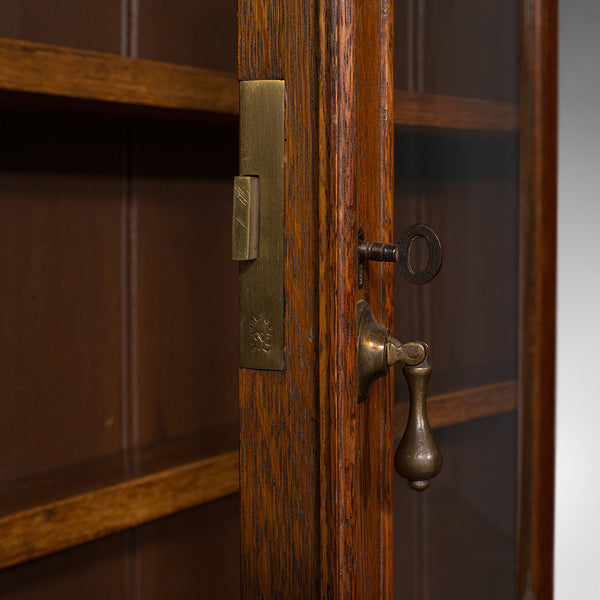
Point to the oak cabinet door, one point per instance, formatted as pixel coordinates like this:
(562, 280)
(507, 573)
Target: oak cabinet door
(462, 138)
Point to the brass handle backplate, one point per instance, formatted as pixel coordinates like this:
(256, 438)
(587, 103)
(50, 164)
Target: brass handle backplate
(418, 457)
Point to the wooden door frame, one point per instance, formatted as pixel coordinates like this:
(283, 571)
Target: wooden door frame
(301, 465)
(539, 89)
(310, 511)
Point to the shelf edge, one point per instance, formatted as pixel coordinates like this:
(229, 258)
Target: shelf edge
(71, 521)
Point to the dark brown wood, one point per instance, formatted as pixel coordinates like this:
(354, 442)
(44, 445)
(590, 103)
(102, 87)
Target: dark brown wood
(114, 501)
(374, 206)
(112, 234)
(192, 554)
(60, 341)
(184, 293)
(453, 112)
(279, 411)
(539, 27)
(95, 569)
(76, 23)
(464, 184)
(188, 32)
(295, 416)
(469, 48)
(459, 407)
(86, 75)
(80, 74)
(338, 178)
(464, 545)
(47, 528)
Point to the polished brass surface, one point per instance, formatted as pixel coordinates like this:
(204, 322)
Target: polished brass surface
(378, 351)
(262, 111)
(418, 457)
(244, 230)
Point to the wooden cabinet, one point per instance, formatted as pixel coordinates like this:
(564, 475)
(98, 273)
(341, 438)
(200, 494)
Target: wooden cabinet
(122, 407)
(469, 125)
(118, 383)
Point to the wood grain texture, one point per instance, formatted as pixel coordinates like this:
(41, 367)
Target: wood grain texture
(338, 234)
(293, 416)
(115, 502)
(51, 527)
(539, 25)
(459, 407)
(453, 112)
(78, 74)
(279, 416)
(56, 71)
(374, 207)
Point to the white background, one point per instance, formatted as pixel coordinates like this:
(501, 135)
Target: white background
(577, 550)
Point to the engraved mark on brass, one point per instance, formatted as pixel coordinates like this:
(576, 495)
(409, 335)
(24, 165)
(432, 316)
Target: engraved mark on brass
(244, 235)
(262, 146)
(261, 334)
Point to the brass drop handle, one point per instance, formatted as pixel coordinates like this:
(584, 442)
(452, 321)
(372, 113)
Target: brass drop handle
(418, 457)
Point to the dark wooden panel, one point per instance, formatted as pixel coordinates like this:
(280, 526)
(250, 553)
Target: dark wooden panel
(96, 571)
(468, 514)
(404, 75)
(471, 48)
(190, 32)
(60, 307)
(184, 313)
(195, 554)
(465, 187)
(80, 23)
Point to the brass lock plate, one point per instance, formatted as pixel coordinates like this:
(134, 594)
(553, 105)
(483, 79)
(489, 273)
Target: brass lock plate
(259, 196)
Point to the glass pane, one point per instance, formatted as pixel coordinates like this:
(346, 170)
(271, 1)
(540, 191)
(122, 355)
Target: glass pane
(457, 540)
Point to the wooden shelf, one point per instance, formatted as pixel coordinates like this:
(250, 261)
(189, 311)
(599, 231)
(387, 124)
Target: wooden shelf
(66, 73)
(432, 110)
(462, 406)
(48, 70)
(53, 511)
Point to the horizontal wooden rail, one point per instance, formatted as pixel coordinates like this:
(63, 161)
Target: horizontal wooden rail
(81, 74)
(462, 406)
(84, 517)
(433, 110)
(67, 73)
